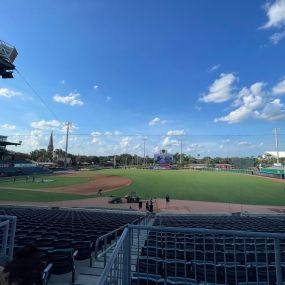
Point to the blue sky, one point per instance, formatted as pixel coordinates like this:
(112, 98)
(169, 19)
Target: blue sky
(121, 71)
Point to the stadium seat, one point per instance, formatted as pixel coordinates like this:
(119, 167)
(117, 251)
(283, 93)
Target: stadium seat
(62, 261)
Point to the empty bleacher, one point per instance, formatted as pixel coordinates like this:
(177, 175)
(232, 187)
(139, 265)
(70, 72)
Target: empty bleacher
(214, 256)
(65, 236)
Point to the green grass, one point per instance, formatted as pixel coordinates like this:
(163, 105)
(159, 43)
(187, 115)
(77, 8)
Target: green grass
(36, 196)
(57, 181)
(201, 186)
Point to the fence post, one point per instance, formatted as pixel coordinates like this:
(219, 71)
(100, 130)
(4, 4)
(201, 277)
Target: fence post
(278, 261)
(127, 258)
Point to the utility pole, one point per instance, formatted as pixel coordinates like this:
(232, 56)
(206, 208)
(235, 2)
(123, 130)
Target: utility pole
(180, 152)
(144, 139)
(277, 143)
(66, 143)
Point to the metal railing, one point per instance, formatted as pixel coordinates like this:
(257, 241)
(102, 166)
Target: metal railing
(7, 230)
(163, 255)
(106, 242)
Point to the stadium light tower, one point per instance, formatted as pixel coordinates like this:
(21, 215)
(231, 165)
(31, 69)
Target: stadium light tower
(8, 54)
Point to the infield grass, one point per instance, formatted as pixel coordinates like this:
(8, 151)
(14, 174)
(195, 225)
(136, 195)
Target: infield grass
(200, 186)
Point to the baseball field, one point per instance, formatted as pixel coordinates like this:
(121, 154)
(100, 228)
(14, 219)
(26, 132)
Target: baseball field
(178, 184)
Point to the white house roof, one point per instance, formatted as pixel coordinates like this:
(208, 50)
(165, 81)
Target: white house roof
(274, 153)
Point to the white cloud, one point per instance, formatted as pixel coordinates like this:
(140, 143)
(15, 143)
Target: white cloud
(34, 139)
(167, 142)
(248, 100)
(95, 86)
(137, 147)
(71, 99)
(221, 90)
(156, 121)
(46, 125)
(96, 140)
(8, 93)
(272, 111)
(194, 147)
(244, 143)
(277, 37)
(107, 133)
(117, 133)
(8, 127)
(125, 142)
(108, 99)
(62, 81)
(279, 88)
(214, 67)
(96, 137)
(176, 133)
(276, 14)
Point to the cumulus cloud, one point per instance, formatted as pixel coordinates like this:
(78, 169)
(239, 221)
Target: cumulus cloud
(176, 133)
(276, 14)
(168, 141)
(194, 147)
(156, 121)
(279, 88)
(214, 67)
(8, 93)
(95, 86)
(277, 37)
(46, 125)
(125, 142)
(71, 99)
(272, 111)
(221, 90)
(34, 139)
(8, 127)
(247, 101)
(96, 138)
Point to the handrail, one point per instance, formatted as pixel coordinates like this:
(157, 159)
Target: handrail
(114, 255)
(101, 238)
(11, 220)
(208, 231)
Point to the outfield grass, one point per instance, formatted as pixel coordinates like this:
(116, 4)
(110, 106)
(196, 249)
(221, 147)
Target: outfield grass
(36, 196)
(201, 186)
(55, 181)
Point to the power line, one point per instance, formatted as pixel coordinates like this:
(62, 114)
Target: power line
(150, 135)
(38, 95)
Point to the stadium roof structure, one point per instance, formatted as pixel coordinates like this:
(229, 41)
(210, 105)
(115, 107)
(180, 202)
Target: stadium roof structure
(274, 153)
(8, 54)
(3, 144)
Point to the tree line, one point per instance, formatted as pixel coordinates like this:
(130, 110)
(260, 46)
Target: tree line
(125, 159)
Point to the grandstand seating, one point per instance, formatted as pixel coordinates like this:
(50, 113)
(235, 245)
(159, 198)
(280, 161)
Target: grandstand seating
(21, 167)
(179, 258)
(63, 236)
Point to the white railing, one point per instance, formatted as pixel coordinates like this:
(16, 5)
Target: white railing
(170, 254)
(8, 230)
